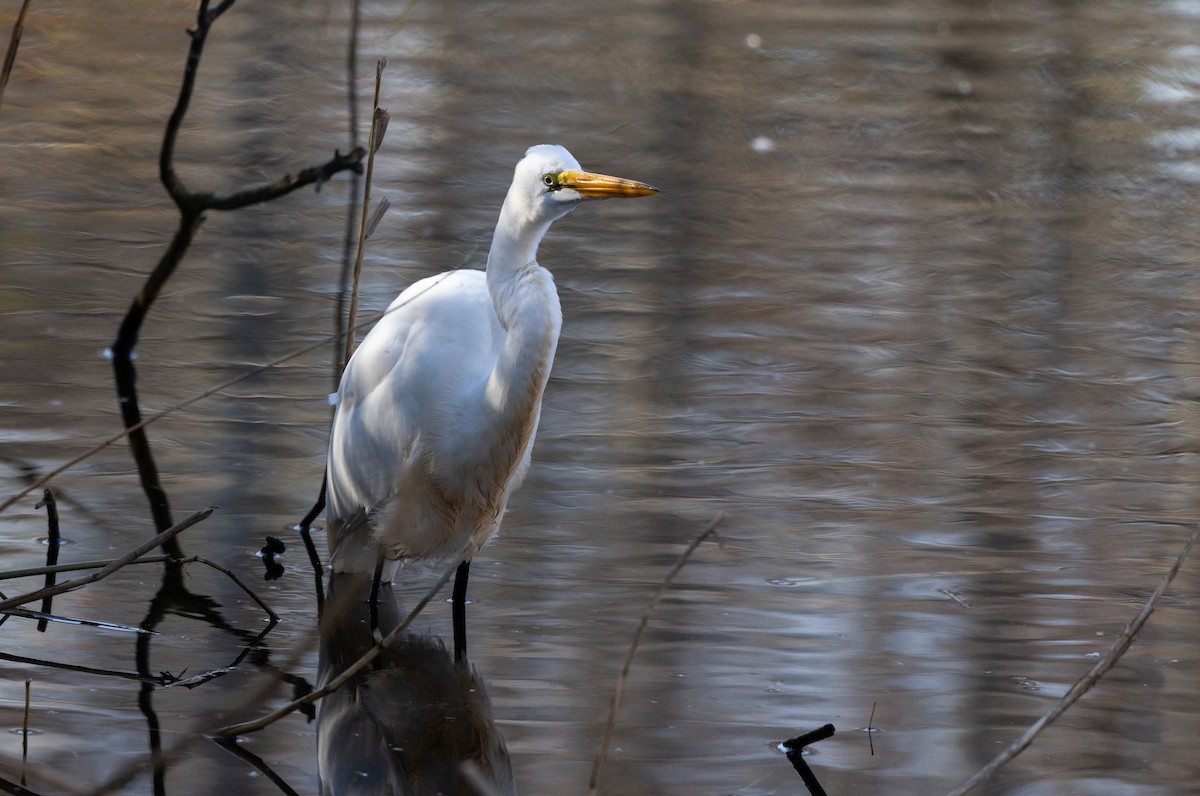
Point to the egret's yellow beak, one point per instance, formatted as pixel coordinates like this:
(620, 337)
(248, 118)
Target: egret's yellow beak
(601, 186)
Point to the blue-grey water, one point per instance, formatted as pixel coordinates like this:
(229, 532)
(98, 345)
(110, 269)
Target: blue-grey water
(916, 313)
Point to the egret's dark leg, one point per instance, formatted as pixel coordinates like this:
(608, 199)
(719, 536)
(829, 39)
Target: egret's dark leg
(314, 557)
(458, 610)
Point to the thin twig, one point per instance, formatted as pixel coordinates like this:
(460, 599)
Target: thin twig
(117, 564)
(304, 527)
(161, 679)
(286, 184)
(166, 156)
(85, 565)
(611, 726)
(794, 749)
(237, 750)
(10, 56)
(1084, 683)
(249, 592)
(871, 728)
(43, 617)
(378, 125)
(161, 559)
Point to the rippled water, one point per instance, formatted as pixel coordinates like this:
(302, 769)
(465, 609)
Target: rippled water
(915, 312)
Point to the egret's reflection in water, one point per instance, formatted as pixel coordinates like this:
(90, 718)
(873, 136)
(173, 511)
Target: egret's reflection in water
(408, 723)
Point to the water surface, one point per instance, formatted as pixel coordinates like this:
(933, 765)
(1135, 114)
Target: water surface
(915, 312)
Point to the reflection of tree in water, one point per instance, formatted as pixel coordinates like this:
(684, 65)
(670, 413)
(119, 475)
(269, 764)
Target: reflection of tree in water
(192, 206)
(172, 597)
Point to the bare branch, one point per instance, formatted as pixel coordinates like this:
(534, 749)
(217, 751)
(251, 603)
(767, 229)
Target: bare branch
(10, 56)
(82, 565)
(141, 549)
(379, 119)
(1084, 683)
(249, 592)
(284, 186)
(611, 726)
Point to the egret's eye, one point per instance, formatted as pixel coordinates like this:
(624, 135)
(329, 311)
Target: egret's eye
(551, 181)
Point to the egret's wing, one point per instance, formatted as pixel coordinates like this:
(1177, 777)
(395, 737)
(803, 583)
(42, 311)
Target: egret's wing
(411, 378)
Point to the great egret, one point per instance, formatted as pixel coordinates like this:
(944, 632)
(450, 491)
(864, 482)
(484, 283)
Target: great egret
(438, 408)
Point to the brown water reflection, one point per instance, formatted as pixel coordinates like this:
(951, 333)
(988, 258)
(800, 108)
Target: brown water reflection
(915, 310)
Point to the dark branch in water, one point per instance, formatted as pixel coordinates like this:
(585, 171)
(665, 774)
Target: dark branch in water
(234, 748)
(274, 547)
(161, 679)
(128, 558)
(794, 749)
(53, 541)
(163, 559)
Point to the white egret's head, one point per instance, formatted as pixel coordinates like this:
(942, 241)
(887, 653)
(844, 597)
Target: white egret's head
(549, 183)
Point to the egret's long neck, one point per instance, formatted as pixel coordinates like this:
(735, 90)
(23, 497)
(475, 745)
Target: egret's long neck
(515, 242)
(526, 304)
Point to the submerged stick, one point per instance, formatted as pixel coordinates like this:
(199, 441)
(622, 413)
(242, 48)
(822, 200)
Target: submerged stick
(53, 541)
(45, 618)
(117, 564)
(240, 584)
(160, 559)
(85, 565)
(794, 749)
(871, 729)
(237, 750)
(611, 726)
(1084, 683)
(162, 679)
(25, 725)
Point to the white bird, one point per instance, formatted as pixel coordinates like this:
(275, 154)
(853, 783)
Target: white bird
(438, 408)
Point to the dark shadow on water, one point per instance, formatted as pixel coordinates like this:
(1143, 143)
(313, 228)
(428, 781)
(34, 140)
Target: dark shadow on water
(407, 724)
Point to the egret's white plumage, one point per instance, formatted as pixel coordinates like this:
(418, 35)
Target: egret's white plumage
(438, 407)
